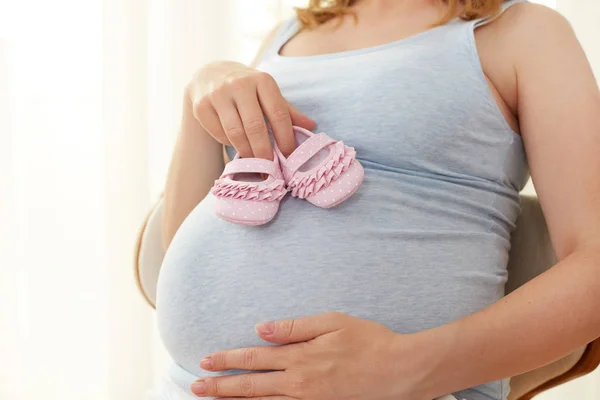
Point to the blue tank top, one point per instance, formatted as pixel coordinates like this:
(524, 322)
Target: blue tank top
(423, 242)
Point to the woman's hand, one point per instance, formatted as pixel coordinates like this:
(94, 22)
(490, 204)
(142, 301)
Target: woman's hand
(328, 356)
(231, 100)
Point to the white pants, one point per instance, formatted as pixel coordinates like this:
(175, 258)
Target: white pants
(168, 390)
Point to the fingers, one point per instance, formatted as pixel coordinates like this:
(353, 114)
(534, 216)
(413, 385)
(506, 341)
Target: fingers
(232, 124)
(299, 119)
(254, 124)
(243, 385)
(207, 116)
(234, 115)
(301, 329)
(276, 108)
(264, 358)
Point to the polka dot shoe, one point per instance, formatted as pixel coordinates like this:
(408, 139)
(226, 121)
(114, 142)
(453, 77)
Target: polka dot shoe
(321, 170)
(243, 197)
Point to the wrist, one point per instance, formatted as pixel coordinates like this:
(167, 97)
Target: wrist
(427, 354)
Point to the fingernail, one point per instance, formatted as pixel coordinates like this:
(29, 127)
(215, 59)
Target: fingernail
(199, 387)
(266, 328)
(206, 363)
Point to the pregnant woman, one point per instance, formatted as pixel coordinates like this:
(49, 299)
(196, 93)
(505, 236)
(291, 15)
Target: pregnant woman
(397, 293)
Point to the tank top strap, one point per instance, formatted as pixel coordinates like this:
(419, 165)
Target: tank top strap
(286, 30)
(476, 23)
(291, 26)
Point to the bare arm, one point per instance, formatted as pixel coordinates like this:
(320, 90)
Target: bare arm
(557, 312)
(197, 161)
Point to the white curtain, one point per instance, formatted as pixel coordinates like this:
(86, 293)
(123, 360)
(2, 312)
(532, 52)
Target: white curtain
(89, 107)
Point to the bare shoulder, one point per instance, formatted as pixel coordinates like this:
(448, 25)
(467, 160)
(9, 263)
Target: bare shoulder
(530, 17)
(520, 38)
(529, 28)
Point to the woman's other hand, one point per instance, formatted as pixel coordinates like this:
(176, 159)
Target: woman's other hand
(324, 357)
(231, 100)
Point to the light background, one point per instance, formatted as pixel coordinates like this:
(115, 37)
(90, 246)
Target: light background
(89, 108)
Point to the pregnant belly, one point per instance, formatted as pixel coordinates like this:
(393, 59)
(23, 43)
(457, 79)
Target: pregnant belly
(219, 279)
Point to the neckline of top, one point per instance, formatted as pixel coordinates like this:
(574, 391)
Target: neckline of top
(347, 53)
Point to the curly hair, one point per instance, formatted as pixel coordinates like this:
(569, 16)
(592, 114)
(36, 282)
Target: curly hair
(320, 11)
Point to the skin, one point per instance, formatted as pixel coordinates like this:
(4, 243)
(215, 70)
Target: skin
(223, 105)
(544, 85)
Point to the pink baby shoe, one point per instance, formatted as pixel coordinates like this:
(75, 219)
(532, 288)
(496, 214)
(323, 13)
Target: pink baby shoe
(243, 197)
(321, 170)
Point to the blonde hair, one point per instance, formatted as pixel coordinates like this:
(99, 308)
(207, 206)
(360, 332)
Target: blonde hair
(320, 11)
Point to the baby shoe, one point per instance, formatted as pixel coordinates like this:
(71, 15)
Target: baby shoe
(243, 197)
(321, 170)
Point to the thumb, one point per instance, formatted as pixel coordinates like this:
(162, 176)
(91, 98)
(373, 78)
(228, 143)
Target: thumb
(301, 120)
(300, 329)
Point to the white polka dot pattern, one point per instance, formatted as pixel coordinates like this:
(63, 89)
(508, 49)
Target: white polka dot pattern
(340, 190)
(330, 182)
(249, 203)
(305, 152)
